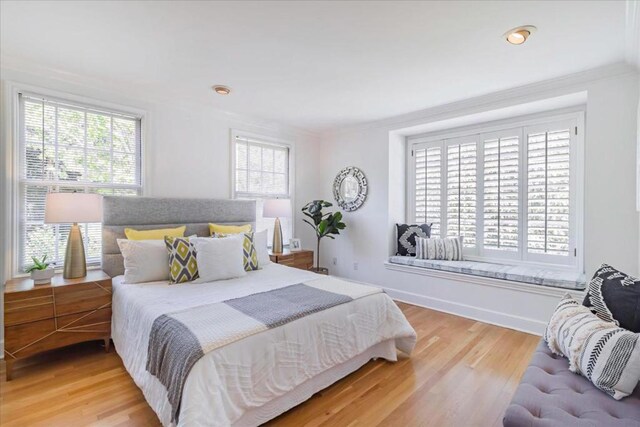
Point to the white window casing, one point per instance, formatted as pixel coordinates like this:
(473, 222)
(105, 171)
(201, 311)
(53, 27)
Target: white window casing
(262, 169)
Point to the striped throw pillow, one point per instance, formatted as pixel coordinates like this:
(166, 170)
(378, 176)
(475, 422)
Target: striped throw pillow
(449, 249)
(604, 353)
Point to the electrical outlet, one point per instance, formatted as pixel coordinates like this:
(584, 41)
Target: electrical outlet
(335, 261)
(355, 266)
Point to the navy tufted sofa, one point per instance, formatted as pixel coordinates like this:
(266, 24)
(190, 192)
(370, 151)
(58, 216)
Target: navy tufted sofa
(551, 395)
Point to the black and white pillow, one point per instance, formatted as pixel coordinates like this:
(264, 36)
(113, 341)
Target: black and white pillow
(615, 297)
(605, 354)
(449, 249)
(407, 237)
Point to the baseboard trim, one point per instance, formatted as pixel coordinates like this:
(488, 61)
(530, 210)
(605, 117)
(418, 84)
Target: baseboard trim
(523, 324)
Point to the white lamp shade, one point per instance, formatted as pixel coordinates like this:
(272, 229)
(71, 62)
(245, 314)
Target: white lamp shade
(276, 208)
(72, 207)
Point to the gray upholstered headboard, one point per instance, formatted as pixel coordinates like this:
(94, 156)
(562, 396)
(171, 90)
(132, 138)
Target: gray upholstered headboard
(145, 213)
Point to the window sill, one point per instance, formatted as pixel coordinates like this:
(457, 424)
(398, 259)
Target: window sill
(535, 280)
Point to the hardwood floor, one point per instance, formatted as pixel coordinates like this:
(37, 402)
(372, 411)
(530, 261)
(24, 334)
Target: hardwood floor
(462, 372)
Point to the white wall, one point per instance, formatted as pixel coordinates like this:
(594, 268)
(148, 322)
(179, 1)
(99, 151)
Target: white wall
(187, 148)
(611, 220)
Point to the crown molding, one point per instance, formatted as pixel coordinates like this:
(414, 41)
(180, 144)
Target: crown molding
(632, 33)
(561, 85)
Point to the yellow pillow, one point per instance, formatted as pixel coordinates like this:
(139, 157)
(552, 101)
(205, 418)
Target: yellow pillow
(228, 229)
(158, 234)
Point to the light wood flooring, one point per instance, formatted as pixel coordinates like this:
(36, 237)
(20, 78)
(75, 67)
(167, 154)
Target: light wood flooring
(462, 373)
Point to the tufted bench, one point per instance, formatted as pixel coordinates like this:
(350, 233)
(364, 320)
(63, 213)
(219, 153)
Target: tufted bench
(550, 395)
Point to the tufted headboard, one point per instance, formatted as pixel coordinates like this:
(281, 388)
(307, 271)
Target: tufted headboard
(145, 213)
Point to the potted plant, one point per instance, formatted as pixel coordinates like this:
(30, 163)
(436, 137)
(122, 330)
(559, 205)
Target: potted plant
(324, 224)
(41, 274)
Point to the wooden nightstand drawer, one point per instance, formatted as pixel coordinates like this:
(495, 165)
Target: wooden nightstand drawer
(16, 338)
(287, 260)
(304, 260)
(97, 321)
(83, 297)
(30, 309)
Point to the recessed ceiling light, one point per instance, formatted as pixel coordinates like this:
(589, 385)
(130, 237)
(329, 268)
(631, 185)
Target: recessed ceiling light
(221, 90)
(519, 35)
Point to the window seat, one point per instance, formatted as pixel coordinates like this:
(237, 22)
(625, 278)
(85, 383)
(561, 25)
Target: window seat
(531, 275)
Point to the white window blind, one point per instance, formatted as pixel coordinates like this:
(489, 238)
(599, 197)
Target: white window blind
(428, 187)
(461, 192)
(549, 170)
(501, 187)
(510, 192)
(262, 172)
(67, 147)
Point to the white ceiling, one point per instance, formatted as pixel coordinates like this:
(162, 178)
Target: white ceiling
(313, 65)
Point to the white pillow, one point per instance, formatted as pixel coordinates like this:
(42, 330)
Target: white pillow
(260, 243)
(604, 353)
(449, 248)
(144, 260)
(219, 259)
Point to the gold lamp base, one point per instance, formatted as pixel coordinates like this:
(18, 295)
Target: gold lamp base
(276, 246)
(75, 263)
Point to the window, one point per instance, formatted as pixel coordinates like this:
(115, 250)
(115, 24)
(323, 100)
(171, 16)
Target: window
(510, 192)
(261, 172)
(66, 147)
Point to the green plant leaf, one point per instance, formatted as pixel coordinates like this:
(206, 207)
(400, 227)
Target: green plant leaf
(37, 264)
(325, 224)
(322, 227)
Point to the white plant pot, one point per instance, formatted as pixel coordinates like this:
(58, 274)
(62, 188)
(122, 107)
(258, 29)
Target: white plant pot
(42, 277)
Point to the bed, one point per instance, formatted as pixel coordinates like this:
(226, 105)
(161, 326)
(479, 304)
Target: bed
(264, 372)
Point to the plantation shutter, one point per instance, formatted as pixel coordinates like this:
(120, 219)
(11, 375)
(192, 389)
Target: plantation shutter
(428, 187)
(501, 192)
(67, 147)
(548, 188)
(262, 172)
(461, 191)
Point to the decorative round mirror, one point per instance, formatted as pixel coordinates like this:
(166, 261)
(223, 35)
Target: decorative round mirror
(350, 188)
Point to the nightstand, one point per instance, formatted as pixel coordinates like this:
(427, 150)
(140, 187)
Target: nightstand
(302, 259)
(38, 318)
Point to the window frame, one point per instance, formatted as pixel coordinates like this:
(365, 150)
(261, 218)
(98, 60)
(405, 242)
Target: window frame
(13, 157)
(264, 140)
(575, 118)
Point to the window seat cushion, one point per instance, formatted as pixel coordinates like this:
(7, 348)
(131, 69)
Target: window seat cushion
(532, 275)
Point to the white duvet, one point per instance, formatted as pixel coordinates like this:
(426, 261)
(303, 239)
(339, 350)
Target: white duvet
(231, 382)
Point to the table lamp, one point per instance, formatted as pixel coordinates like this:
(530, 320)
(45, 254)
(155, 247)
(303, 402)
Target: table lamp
(62, 208)
(276, 208)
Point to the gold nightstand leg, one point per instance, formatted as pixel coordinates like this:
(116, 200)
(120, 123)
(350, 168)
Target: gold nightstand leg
(107, 344)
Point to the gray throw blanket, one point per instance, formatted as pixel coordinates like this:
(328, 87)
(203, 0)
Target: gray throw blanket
(178, 340)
